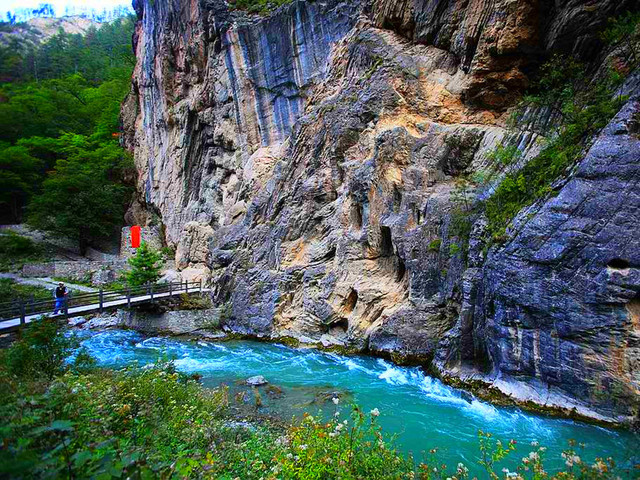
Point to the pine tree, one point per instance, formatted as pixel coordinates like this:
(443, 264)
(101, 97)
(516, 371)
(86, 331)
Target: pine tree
(145, 266)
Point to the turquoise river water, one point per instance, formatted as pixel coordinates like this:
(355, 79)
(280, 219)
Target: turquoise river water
(420, 410)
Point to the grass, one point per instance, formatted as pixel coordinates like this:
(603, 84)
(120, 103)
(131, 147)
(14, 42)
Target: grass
(16, 251)
(12, 291)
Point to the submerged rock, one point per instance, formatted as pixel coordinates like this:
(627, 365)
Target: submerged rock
(256, 381)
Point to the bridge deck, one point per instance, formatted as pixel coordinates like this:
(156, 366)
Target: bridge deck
(14, 323)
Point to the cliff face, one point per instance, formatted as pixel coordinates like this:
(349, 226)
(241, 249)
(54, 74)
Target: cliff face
(309, 164)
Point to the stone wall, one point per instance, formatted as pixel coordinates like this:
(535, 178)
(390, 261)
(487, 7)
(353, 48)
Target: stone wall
(94, 272)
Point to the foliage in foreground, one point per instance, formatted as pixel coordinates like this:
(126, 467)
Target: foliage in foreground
(157, 423)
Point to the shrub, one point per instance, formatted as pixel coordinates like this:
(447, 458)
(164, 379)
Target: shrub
(146, 266)
(42, 351)
(434, 245)
(262, 7)
(13, 244)
(15, 250)
(584, 110)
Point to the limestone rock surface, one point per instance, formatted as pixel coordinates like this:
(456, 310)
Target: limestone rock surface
(308, 164)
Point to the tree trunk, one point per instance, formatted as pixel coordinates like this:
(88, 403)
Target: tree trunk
(84, 244)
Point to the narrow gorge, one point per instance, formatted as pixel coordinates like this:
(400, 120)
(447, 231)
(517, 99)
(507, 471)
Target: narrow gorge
(325, 166)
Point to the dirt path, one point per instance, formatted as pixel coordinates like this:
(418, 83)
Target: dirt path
(46, 282)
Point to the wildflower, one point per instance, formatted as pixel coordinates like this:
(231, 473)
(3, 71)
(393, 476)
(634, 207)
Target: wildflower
(339, 427)
(337, 414)
(335, 400)
(505, 470)
(543, 449)
(375, 412)
(534, 444)
(332, 434)
(289, 456)
(302, 447)
(534, 456)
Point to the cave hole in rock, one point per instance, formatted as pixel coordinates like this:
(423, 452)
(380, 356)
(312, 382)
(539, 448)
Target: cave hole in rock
(330, 255)
(401, 270)
(618, 264)
(397, 199)
(343, 324)
(386, 244)
(351, 302)
(356, 215)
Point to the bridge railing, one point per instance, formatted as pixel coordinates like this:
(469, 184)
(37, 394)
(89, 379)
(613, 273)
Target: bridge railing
(100, 299)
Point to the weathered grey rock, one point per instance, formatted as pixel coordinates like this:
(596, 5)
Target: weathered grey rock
(309, 164)
(559, 303)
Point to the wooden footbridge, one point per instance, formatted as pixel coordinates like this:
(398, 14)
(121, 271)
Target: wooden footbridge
(14, 315)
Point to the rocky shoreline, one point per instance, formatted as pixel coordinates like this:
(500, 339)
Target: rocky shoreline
(197, 324)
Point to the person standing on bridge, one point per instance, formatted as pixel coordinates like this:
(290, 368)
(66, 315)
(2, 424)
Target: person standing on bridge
(60, 294)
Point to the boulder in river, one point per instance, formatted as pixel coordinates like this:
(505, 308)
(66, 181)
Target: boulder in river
(256, 381)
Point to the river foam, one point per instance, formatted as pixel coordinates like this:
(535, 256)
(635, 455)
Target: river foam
(423, 411)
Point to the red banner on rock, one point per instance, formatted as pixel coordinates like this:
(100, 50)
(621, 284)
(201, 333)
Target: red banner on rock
(135, 236)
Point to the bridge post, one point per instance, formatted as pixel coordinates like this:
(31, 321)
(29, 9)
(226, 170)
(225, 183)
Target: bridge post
(186, 285)
(128, 297)
(170, 289)
(201, 285)
(151, 291)
(66, 308)
(100, 297)
(23, 318)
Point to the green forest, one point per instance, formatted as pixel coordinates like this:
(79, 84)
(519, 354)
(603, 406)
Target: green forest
(62, 168)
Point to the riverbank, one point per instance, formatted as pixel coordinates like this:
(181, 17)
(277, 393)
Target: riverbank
(313, 386)
(204, 324)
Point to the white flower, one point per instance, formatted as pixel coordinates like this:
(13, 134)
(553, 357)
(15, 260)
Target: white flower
(505, 470)
(339, 427)
(289, 455)
(332, 434)
(534, 444)
(375, 412)
(302, 447)
(335, 400)
(534, 456)
(337, 414)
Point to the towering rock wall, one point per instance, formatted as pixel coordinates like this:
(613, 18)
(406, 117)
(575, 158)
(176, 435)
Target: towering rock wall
(310, 164)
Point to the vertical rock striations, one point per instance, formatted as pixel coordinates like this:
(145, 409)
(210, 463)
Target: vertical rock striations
(311, 163)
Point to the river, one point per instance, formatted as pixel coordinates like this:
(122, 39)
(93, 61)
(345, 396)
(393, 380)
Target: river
(423, 412)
